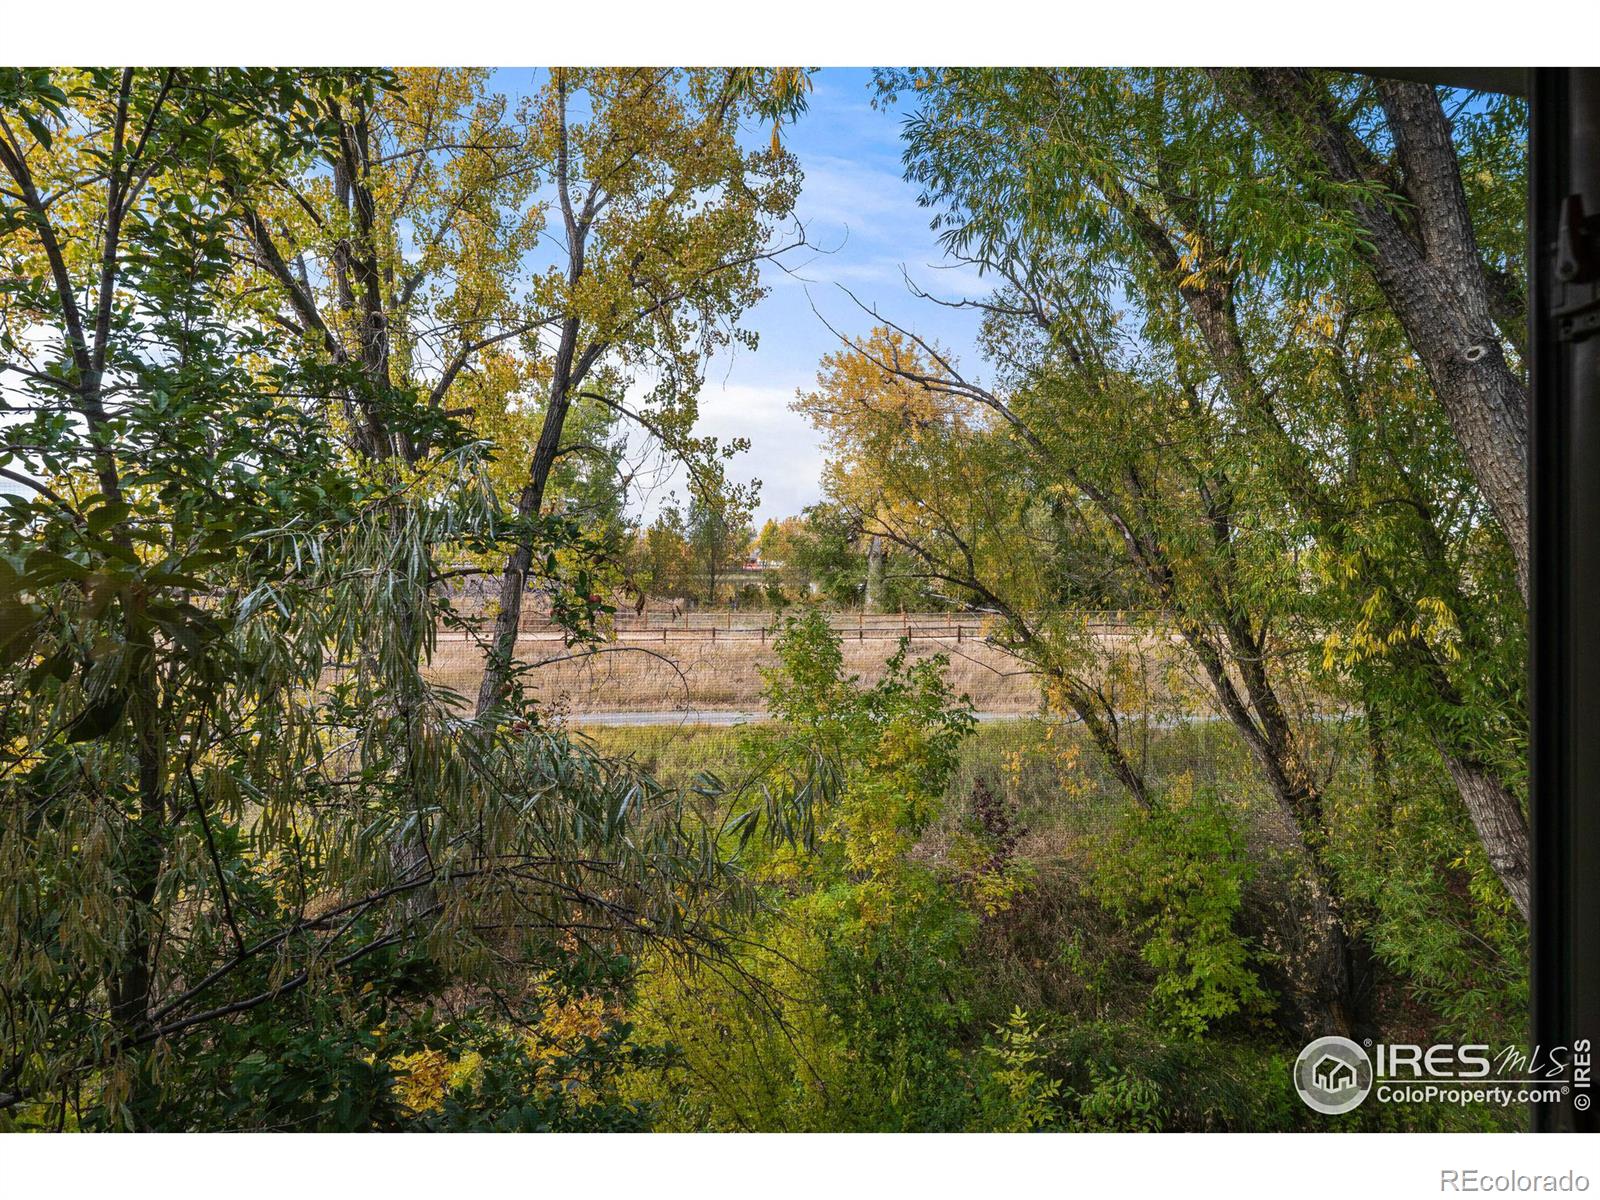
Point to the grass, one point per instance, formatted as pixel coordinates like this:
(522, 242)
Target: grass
(1046, 771)
(686, 670)
(701, 674)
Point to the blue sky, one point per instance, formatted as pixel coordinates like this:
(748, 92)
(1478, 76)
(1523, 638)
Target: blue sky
(864, 224)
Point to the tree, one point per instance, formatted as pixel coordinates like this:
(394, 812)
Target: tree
(1457, 293)
(664, 220)
(109, 195)
(394, 248)
(218, 721)
(820, 554)
(775, 538)
(662, 565)
(399, 252)
(719, 536)
(1008, 497)
(395, 252)
(1217, 262)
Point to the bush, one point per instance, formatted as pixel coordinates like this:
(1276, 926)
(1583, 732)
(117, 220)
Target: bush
(846, 1010)
(1178, 874)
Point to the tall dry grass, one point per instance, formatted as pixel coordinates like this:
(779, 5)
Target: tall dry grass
(642, 675)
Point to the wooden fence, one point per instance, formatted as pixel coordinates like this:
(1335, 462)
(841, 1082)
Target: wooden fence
(720, 626)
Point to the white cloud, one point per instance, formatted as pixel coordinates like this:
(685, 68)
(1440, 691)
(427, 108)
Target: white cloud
(785, 453)
(842, 195)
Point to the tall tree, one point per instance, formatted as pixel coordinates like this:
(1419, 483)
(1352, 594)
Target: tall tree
(1400, 181)
(403, 252)
(664, 219)
(395, 250)
(719, 537)
(111, 231)
(1016, 500)
(1096, 196)
(215, 628)
(662, 560)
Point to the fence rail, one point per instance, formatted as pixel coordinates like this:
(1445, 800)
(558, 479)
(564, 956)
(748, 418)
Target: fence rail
(760, 626)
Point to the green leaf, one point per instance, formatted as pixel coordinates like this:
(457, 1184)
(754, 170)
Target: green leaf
(38, 128)
(107, 515)
(98, 719)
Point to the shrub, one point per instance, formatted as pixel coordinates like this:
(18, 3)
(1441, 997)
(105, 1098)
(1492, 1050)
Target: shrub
(1178, 872)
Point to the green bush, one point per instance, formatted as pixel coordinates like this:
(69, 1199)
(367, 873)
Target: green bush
(1177, 874)
(846, 1010)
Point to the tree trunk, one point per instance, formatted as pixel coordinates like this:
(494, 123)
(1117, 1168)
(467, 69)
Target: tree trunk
(514, 581)
(130, 984)
(1431, 275)
(568, 371)
(131, 979)
(1319, 957)
(1502, 828)
(872, 601)
(1100, 723)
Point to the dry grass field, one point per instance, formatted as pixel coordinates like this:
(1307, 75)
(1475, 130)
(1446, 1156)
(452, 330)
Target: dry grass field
(711, 662)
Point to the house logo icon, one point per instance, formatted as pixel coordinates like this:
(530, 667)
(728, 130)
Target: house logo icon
(1333, 1075)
